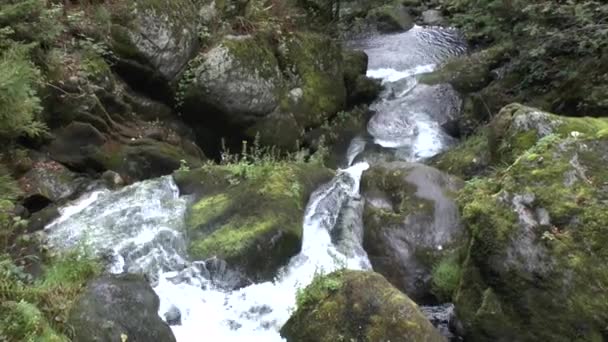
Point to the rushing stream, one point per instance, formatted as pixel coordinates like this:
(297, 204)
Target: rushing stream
(141, 227)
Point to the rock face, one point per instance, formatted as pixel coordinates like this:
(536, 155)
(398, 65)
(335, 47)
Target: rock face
(514, 130)
(154, 40)
(535, 264)
(248, 85)
(391, 18)
(412, 226)
(116, 306)
(238, 79)
(249, 215)
(356, 306)
(47, 182)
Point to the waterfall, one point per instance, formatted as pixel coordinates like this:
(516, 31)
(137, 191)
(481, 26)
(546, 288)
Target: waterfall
(141, 228)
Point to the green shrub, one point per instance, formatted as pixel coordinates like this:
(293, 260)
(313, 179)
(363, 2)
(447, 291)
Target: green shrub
(446, 276)
(19, 103)
(37, 310)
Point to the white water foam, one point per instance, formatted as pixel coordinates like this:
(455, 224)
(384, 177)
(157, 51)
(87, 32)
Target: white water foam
(142, 226)
(256, 312)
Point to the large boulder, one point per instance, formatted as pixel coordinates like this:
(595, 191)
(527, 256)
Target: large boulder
(153, 40)
(48, 182)
(514, 130)
(316, 64)
(248, 87)
(118, 308)
(249, 215)
(412, 228)
(534, 269)
(356, 306)
(390, 18)
(237, 82)
(82, 147)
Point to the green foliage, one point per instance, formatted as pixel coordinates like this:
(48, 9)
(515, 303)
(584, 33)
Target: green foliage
(29, 21)
(446, 277)
(19, 103)
(321, 287)
(558, 65)
(36, 310)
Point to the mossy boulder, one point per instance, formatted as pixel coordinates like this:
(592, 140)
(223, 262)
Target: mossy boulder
(514, 130)
(356, 306)
(119, 308)
(249, 215)
(412, 225)
(153, 40)
(234, 83)
(393, 17)
(469, 73)
(146, 158)
(534, 269)
(49, 182)
(317, 89)
(359, 88)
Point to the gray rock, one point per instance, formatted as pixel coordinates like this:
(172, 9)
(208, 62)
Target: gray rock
(411, 222)
(159, 39)
(433, 18)
(49, 181)
(173, 316)
(238, 78)
(115, 306)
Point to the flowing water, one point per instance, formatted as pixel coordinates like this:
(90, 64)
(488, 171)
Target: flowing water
(140, 228)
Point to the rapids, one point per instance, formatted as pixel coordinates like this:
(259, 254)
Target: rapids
(140, 228)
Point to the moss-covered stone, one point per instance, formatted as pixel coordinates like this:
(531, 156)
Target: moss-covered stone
(393, 17)
(356, 306)
(153, 40)
(316, 61)
(249, 214)
(534, 269)
(514, 130)
(145, 158)
(469, 73)
(412, 225)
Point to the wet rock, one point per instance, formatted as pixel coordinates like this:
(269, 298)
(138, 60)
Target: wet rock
(173, 316)
(239, 79)
(48, 182)
(115, 306)
(251, 218)
(154, 40)
(146, 158)
(317, 67)
(514, 130)
(433, 18)
(112, 179)
(391, 18)
(412, 226)
(537, 239)
(77, 145)
(359, 88)
(356, 306)
(38, 220)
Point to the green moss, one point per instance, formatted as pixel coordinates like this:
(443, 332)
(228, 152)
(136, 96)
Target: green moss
(356, 306)
(235, 238)
(208, 209)
(467, 159)
(446, 277)
(256, 54)
(317, 61)
(562, 174)
(36, 310)
(249, 214)
(320, 288)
